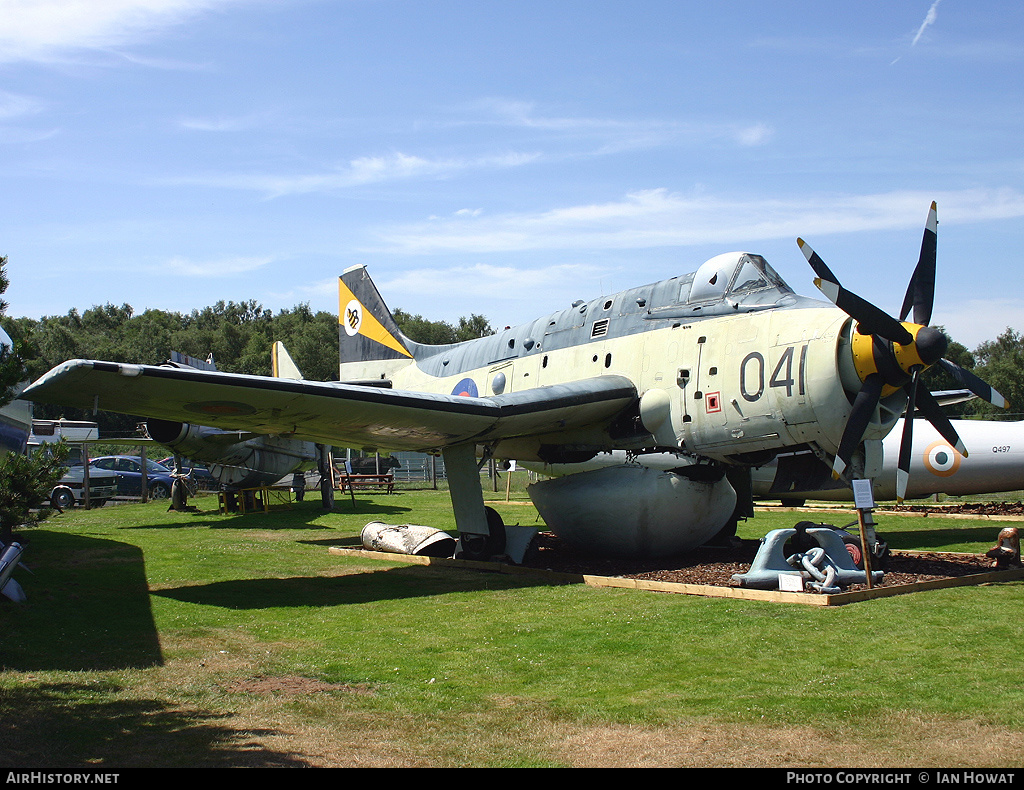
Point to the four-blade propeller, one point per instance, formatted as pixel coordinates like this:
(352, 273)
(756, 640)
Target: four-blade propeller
(890, 354)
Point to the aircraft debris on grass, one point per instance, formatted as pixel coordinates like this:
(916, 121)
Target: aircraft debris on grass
(726, 368)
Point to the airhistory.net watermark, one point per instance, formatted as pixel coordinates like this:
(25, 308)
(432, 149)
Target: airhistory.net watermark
(60, 778)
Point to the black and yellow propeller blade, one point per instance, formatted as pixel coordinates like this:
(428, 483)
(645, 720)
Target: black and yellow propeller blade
(863, 408)
(921, 290)
(928, 344)
(969, 381)
(907, 441)
(872, 320)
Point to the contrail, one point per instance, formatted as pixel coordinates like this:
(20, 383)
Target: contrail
(929, 19)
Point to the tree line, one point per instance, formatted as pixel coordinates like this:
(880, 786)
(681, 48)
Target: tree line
(998, 362)
(237, 335)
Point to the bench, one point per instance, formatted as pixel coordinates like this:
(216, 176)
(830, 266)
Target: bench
(351, 482)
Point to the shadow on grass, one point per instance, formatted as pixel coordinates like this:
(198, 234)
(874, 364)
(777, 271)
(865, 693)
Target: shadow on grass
(88, 607)
(407, 581)
(301, 516)
(941, 538)
(66, 725)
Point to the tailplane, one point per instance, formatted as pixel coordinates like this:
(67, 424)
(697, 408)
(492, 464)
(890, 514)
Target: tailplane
(283, 365)
(367, 331)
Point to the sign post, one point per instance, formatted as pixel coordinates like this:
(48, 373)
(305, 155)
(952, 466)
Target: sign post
(864, 501)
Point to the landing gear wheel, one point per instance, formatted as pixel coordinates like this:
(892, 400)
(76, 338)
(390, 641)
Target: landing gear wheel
(472, 547)
(484, 547)
(179, 494)
(496, 541)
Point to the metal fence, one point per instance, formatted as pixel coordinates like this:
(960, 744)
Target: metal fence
(418, 467)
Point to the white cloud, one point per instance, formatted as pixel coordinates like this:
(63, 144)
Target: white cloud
(13, 105)
(487, 282)
(660, 218)
(224, 267)
(45, 30)
(15, 108)
(357, 172)
(755, 135)
(929, 20)
(221, 124)
(971, 322)
(567, 136)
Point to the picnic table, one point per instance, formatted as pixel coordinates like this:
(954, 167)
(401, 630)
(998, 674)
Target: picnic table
(347, 482)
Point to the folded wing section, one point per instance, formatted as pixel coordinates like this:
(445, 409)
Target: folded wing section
(331, 412)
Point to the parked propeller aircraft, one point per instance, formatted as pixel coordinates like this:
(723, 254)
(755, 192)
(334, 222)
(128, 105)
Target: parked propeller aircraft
(936, 466)
(236, 458)
(726, 367)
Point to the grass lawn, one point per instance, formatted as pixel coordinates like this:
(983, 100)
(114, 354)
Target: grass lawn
(160, 639)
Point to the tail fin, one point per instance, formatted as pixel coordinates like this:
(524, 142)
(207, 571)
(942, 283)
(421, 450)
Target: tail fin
(366, 331)
(283, 365)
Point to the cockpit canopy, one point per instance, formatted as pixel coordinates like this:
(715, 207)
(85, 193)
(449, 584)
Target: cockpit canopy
(734, 275)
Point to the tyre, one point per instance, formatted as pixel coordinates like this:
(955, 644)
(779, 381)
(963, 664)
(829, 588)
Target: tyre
(62, 498)
(159, 491)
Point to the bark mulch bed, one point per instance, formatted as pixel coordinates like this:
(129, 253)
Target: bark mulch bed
(966, 508)
(716, 566)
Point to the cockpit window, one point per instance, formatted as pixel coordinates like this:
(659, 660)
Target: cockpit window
(733, 274)
(712, 279)
(749, 277)
(755, 273)
(773, 276)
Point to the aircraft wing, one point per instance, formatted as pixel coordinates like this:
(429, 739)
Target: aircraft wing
(951, 397)
(344, 415)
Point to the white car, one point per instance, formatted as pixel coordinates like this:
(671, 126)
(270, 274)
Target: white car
(68, 492)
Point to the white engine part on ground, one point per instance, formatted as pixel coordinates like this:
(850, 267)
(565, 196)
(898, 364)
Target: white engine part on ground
(407, 539)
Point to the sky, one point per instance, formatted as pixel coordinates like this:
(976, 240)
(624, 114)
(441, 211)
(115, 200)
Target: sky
(506, 158)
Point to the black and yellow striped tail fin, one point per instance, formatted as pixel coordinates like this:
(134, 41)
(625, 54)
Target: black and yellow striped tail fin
(366, 329)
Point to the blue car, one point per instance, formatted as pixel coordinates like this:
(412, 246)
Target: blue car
(204, 480)
(128, 469)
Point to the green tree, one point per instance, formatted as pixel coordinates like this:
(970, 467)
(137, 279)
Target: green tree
(311, 339)
(440, 333)
(1000, 363)
(25, 480)
(473, 327)
(25, 483)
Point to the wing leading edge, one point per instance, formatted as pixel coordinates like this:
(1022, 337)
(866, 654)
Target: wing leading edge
(331, 412)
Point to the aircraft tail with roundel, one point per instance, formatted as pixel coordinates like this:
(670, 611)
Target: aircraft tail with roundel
(370, 344)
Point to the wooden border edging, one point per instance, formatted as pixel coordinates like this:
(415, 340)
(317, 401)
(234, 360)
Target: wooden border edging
(705, 590)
